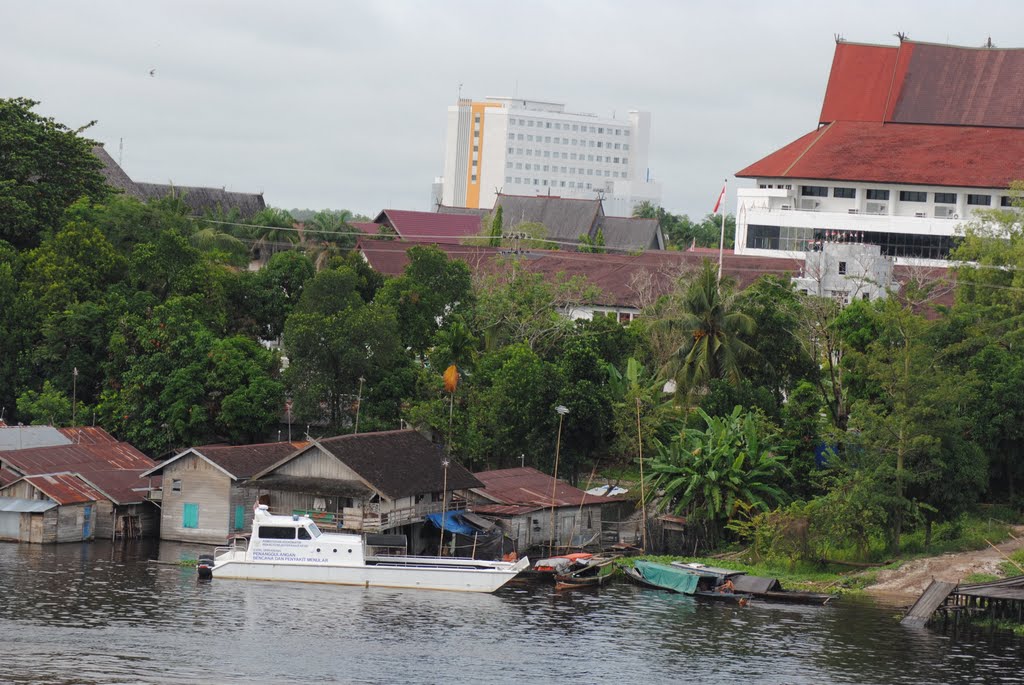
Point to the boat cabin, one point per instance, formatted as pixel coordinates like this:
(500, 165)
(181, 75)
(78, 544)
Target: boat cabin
(298, 540)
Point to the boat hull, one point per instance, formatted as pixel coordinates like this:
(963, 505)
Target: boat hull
(459, 575)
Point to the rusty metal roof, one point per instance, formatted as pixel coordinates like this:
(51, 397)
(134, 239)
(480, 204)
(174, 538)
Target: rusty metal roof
(113, 467)
(528, 486)
(505, 509)
(65, 488)
(90, 435)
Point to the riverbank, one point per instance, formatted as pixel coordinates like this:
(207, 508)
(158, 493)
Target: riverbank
(913, 576)
(901, 581)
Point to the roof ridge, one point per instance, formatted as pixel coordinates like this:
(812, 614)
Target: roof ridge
(809, 146)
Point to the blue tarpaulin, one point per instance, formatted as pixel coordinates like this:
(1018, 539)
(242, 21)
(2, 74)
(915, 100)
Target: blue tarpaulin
(453, 523)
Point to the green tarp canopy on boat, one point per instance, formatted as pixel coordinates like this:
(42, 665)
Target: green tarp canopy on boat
(669, 577)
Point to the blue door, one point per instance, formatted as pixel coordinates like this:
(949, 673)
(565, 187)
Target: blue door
(239, 517)
(85, 524)
(190, 518)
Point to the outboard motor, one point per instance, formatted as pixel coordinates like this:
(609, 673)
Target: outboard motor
(204, 567)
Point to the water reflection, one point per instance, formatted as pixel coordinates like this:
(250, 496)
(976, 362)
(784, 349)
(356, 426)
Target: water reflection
(104, 613)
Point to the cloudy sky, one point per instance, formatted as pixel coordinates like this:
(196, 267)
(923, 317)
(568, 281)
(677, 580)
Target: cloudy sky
(342, 104)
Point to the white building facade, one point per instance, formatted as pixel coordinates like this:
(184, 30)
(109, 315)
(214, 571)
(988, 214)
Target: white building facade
(913, 141)
(913, 224)
(527, 147)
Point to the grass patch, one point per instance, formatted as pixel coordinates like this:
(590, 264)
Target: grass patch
(972, 578)
(1011, 570)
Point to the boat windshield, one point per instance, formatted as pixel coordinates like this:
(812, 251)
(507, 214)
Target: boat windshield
(314, 531)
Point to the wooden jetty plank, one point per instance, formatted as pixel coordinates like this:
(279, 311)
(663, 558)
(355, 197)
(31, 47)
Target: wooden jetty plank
(930, 600)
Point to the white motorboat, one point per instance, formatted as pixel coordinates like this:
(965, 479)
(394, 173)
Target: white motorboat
(292, 548)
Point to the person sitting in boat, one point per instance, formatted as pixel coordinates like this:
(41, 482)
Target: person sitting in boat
(726, 587)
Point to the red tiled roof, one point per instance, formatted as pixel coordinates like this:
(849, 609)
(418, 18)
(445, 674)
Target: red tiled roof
(430, 225)
(965, 156)
(949, 84)
(367, 227)
(624, 280)
(65, 488)
(925, 83)
(859, 83)
(528, 486)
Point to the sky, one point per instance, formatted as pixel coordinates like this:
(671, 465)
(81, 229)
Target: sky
(342, 104)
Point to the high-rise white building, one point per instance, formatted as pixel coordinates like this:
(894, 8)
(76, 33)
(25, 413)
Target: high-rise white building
(528, 147)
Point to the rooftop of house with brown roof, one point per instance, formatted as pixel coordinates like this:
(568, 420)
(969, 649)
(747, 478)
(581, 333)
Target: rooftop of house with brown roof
(526, 487)
(396, 463)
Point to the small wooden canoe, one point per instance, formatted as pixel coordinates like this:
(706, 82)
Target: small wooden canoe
(591, 576)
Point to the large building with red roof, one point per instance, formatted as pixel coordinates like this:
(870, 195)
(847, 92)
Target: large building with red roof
(912, 141)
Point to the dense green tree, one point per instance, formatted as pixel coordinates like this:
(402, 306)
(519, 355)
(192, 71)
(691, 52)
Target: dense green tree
(781, 361)
(332, 339)
(911, 427)
(514, 411)
(278, 287)
(75, 265)
(44, 168)
(681, 232)
(50, 407)
(514, 305)
(496, 226)
(431, 290)
(182, 385)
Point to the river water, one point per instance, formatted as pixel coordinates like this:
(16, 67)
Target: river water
(103, 613)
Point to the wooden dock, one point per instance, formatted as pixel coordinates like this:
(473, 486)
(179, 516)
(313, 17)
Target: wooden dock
(933, 597)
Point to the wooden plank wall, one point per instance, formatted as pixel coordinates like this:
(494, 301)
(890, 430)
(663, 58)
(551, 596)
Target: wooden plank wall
(202, 484)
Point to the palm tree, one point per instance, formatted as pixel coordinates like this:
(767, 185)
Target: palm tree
(328, 234)
(713, 333)
(212, 239)
(455, 344)
(275, 232)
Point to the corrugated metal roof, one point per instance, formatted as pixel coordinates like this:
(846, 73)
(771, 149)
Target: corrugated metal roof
(88, 435)
(528, 486)
(25, 506)
(114, 467)
(8, 476)
(504, 509)
(27, 437)
(65, 488)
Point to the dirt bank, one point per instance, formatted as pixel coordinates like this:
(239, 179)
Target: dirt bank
(913, 577)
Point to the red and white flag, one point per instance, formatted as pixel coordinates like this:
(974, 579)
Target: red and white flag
(718, 202)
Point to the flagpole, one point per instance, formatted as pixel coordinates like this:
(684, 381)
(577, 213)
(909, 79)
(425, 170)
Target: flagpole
(721, 240)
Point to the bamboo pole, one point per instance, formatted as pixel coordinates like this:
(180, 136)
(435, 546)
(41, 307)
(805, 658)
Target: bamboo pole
(1006, 556)
(643, 493)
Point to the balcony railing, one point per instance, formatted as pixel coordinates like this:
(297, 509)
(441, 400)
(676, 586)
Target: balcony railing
(367, 520)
